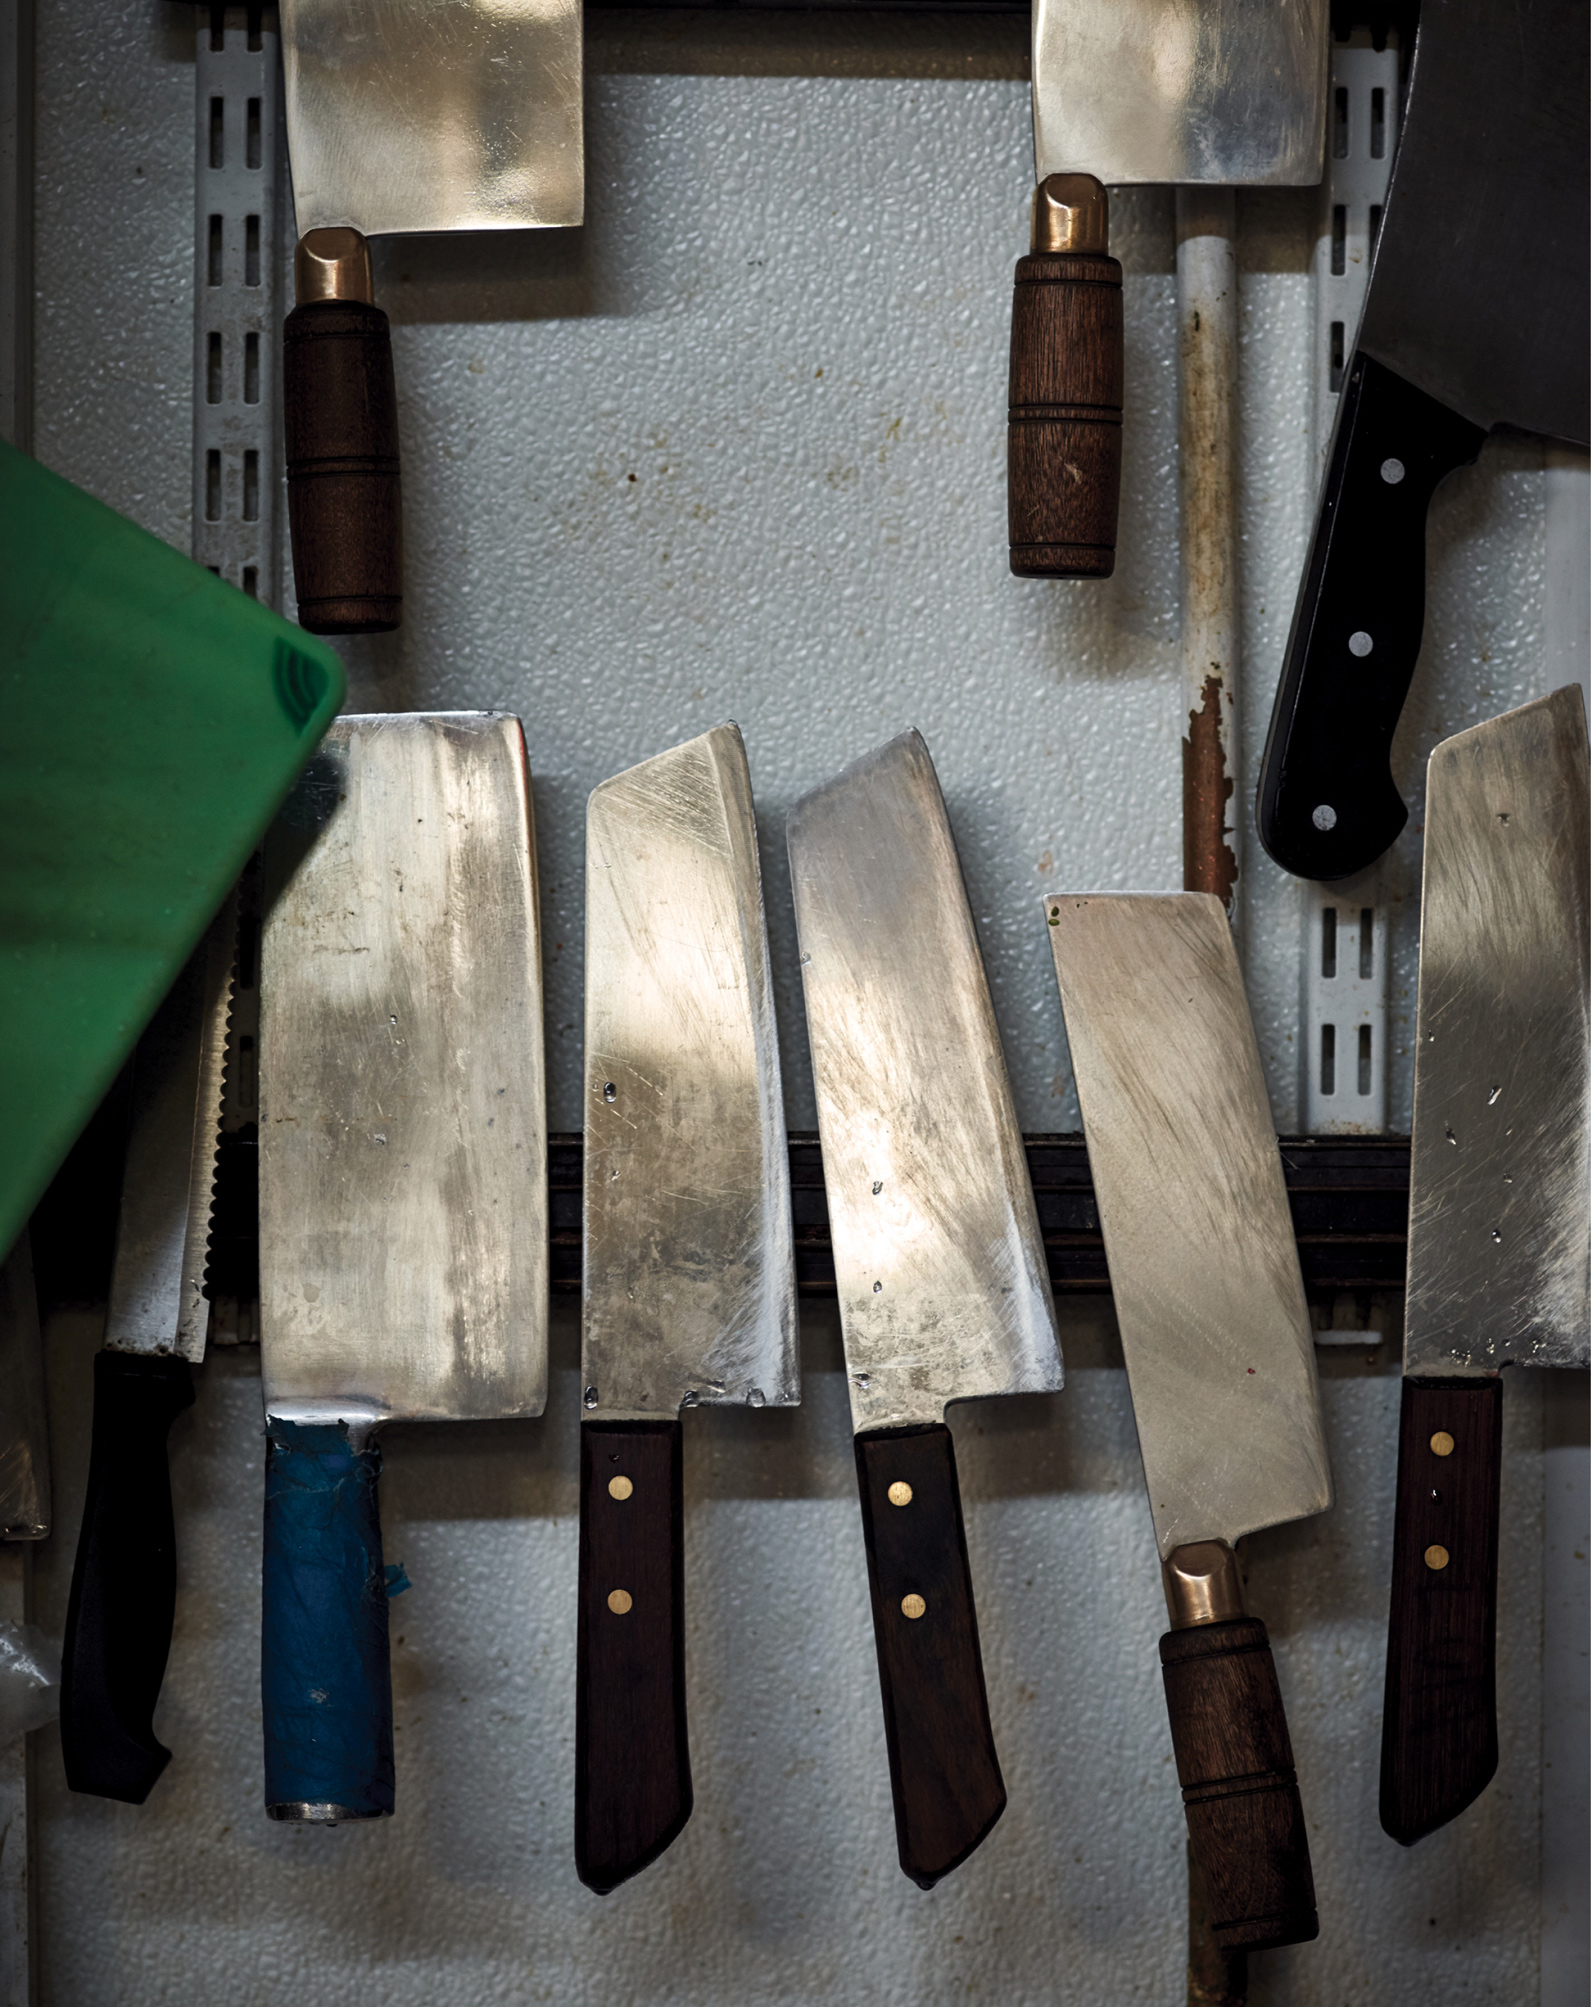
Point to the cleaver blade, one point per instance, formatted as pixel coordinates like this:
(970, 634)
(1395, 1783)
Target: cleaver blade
(1499, 1214)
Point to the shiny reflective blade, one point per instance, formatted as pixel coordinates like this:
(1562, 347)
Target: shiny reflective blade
(403, 1199)
(434, 114)
(689, 1272)
(1500, 1176)
(24, 1432)
(1188, 1180)
(943, 1286)
(1227, 91)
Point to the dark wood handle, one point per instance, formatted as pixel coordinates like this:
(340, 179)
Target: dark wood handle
(1439, 1724)
(632, 1750)
(1064, 442)
(1239, 1788)
(343, 501)
(943, 1770)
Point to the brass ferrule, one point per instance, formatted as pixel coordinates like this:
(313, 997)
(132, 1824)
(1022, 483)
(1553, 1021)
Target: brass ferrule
(1071, 212)
(333, 265)
(1202, 1584)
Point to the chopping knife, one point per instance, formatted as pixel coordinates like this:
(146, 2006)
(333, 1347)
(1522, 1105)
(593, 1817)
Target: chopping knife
(689, 1269)
(403, 1196)
(1499, 1215)
(1216, 91)
(1478, 314)
(402, 115)
(124, 1580)
(943, 1288)
(1220, 1358)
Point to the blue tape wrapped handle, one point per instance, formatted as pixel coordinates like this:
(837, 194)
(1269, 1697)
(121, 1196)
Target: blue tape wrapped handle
(325, 1662)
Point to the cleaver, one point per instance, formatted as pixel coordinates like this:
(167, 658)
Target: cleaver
(1499, 1215)
(1220, 1356)
(943, 1287)
(1478, 314)
(1231, 92)
(402, 116)
(403, 1193)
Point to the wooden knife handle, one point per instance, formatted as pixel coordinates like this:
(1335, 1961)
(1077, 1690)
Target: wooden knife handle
(343, 500)
(124, 1581)
(943, 1769)
(1328, 805)
(1064, 440)
(325, 1671)
(632, 1747)
(1439, 1724)
(1239, 1787)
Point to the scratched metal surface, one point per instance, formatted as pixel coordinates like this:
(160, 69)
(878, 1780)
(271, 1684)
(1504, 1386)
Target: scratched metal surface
(943, 1288)
(689, 1294)
(1500, 1173)
(403, 1198)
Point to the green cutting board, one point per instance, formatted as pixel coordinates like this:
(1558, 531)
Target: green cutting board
(151, 720)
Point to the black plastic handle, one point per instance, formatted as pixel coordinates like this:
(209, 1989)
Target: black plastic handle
(632, 1748)
(1439, 1725)
(944, 1772)
(1328, 805)
(124, 1581)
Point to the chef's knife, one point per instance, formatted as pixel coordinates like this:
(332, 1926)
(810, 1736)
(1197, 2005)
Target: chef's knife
(689, 1270)
(943, 1287)
(1478, 314)
(1499, 1215)
(124, 1580)
(402, 115)
(403, 1195)
(1189, 91)
(1220, 1358)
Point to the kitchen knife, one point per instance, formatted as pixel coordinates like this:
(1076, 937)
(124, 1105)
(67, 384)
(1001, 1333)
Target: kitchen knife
(943, 1287)
(25, 1442)
(1478, 314)
(689, 1269)
(1220, 1358)
(403, 1195)
(402, 116)
(1189, 91)
(124, 1580)
(1499, 1215)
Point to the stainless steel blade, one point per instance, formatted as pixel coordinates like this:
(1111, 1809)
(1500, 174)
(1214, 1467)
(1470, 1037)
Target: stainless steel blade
(943, 1286)
(403, 1197)
(1230, 91)
(689, 1270)
(1481, 288)
(1500, 1174)
(434, 114)
(1188, 1180)
(24, 1431)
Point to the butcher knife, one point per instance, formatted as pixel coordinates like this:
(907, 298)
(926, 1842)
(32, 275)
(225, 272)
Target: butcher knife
(403, 1194)
(943, 1286)
(402, 116)
(689, 1269)
(1499, 1215)
(1220, 1357)
(1190, 91)
(1478, 314)
(124, 1580)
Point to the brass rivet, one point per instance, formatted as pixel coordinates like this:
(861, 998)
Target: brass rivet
(900, 1493)
(912, 1606)
(619, 1487)
(1437, 1557)
(1442, 1443)
(619, 1602)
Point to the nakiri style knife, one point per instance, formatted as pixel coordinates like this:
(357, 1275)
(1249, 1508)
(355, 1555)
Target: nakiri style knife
(943, 1287)
(124, 1581)
(1499, 1215)
(1478, 314)
(689, 1270)
(1220, 1355)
